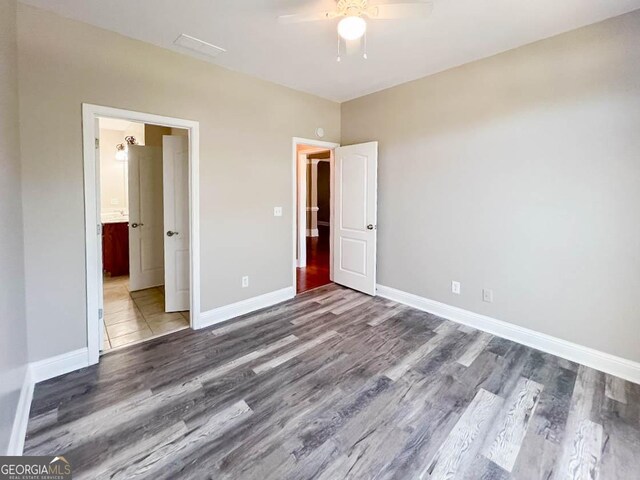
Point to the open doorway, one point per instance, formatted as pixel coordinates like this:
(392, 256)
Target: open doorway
(145, 233)
(188, 261)
(313, 245)
(353, 194)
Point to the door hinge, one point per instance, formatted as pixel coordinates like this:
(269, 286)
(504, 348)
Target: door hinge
(100, 313)
(97, 143)
(99, 229)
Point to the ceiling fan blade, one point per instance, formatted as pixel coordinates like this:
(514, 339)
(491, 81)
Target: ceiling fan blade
(391, 11)
(306, 17)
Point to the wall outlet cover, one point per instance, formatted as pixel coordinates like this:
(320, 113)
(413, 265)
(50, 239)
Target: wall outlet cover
(245, 282)
(277, 211)
(455, 287)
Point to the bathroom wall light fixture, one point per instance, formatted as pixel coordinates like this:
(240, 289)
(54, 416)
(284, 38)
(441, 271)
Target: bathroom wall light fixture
(122, 149)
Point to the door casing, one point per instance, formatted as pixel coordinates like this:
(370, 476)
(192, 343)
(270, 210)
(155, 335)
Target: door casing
(300, 183)
(93, 258)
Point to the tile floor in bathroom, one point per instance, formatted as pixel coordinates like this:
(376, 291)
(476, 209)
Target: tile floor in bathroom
(133, 317)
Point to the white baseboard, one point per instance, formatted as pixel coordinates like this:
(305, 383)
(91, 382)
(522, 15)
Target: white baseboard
(52, 367)
(242, 307)
(37, 372)
(21, 420)
(59, 365)
(605, 362)
(312, 232)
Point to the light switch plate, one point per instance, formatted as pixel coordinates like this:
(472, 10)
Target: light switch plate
(245, 282)
(277, 211)
(487, 295)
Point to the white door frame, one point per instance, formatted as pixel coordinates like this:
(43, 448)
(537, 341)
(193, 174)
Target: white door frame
(302, 185)
(92, 208)
(301, 207)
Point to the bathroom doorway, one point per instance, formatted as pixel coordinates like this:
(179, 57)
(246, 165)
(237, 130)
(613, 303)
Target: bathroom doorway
(148, 214)
(138, 166)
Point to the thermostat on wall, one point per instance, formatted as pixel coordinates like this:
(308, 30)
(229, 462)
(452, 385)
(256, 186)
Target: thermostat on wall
(320, 132)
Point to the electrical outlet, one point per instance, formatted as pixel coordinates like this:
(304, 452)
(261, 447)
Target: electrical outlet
(455, 287)
(487, 295)
(277, 211)
(245, 282)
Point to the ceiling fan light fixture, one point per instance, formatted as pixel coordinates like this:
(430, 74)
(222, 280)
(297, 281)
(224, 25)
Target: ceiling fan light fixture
(352, 27)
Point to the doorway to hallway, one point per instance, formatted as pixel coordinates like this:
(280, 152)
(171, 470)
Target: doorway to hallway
(314, 206)
(352, 215)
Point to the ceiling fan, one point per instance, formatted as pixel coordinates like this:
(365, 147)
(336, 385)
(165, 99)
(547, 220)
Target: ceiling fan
(353, 15)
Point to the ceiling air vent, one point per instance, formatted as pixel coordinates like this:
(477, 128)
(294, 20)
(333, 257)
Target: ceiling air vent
(199, 46)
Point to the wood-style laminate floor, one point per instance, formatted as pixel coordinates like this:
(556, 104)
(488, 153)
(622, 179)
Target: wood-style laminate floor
(332, 385)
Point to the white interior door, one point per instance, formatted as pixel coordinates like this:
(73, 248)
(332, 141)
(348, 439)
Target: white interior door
(354, 232)
(175, 150)
(146, 236)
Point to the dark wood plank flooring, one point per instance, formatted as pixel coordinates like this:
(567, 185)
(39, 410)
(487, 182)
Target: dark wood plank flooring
(316, 273)
(334, 384)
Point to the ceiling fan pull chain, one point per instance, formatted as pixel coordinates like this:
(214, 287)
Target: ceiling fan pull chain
(338, 59)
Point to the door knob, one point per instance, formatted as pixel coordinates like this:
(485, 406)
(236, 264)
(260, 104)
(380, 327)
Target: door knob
(370, 227)
(171, 234)
(136, 225)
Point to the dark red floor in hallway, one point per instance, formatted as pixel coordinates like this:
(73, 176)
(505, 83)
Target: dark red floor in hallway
(316, 273)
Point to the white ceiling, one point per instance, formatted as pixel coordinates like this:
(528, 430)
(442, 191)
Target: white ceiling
(303, 56)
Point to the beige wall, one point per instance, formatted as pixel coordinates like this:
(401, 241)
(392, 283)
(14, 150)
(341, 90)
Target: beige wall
(64, 63)
(519, 173)
(153, 134)
(179, 131)
(13, 327)
(113, 173)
